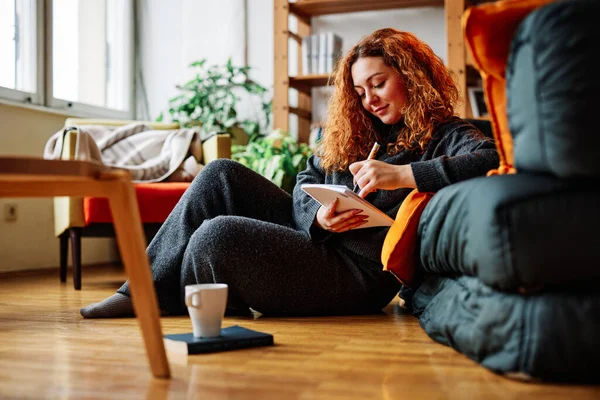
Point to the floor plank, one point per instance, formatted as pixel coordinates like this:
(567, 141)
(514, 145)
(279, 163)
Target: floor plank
(48, 351)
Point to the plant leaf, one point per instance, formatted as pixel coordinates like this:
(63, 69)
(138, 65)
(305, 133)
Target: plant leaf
(199, 63)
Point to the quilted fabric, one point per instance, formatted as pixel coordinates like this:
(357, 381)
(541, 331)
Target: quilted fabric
(550, 336)
(514, 232)
(552, 89)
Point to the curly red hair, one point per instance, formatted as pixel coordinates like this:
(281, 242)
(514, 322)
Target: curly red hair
(350, 130)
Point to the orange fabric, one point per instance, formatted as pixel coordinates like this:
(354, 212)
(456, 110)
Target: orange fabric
(489, 29)
(400, 248)
(155, 201)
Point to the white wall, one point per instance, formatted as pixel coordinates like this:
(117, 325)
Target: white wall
(180, 31)
(176, 33)
(159, 52)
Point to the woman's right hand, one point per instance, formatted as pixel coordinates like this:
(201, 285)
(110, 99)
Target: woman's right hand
(329, 220)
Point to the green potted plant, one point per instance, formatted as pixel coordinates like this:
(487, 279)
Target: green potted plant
(210, 99)
(278, 157)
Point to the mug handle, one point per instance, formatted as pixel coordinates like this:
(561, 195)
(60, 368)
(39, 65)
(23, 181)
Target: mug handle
(192, 299)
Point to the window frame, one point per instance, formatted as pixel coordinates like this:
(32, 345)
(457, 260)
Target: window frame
(43, 97)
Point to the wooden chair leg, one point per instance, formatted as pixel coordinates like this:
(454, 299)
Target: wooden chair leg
(64, 251)
(131, 240)
(75, 234)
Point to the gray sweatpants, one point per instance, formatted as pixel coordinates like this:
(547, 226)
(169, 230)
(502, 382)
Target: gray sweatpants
(236, 227)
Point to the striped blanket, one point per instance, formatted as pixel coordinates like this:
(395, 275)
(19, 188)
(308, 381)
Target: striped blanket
(149, 155)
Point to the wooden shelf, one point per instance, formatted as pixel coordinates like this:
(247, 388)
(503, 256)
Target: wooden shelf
(306, 82)
(310, 8)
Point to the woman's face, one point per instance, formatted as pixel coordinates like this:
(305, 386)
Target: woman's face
(380, 88)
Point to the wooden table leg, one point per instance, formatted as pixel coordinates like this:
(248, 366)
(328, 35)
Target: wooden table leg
(130, 237)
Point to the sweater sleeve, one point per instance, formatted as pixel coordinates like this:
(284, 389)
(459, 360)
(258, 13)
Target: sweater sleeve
(305, 207)
(460, 153)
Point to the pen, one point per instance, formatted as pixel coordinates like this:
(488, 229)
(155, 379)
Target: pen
(372, 155)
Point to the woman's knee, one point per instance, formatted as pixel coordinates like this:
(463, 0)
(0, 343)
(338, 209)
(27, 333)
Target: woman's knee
(220, 167)
(219, 170)
(216, 237)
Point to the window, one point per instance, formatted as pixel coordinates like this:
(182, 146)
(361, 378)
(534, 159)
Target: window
(89, 55)
(19, 46)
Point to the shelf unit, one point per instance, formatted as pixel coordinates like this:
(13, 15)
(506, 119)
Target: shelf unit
(304, 10)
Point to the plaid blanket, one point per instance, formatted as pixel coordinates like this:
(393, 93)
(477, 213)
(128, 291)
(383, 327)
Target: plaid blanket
(149, 155)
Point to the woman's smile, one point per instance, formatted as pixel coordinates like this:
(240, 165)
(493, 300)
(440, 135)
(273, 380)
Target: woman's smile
(381, 110)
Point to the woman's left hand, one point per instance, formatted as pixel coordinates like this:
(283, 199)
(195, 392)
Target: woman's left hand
(371, 175)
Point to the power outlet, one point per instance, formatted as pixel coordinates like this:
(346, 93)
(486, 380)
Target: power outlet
(10, 212)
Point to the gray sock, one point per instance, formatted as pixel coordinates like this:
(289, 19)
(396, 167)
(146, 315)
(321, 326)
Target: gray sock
(117, 305)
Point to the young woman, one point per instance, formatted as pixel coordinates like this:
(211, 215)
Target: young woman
(287, 255)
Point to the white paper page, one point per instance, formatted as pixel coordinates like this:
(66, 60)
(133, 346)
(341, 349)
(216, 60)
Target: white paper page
(347, 200)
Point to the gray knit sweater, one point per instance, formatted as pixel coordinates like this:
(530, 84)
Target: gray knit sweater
(458, 151)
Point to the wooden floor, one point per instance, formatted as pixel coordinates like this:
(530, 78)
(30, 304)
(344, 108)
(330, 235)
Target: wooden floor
(47, 350)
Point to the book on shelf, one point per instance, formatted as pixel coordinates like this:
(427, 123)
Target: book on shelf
(320, 52)
(333, 45)
(324, 194)
(306, 55)
(314, 54)
(316, 134)
(233, 337)
(322, 58)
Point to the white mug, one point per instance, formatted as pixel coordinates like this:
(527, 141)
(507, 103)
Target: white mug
(206, 304)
